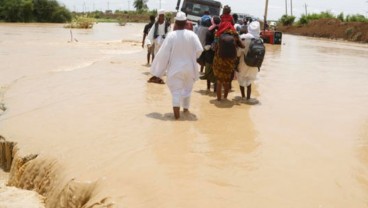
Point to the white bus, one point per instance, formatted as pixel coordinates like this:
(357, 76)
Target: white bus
(195, 9)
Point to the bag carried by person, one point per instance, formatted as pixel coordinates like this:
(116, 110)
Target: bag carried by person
(227, 47)
(201, 60)
(256, 53)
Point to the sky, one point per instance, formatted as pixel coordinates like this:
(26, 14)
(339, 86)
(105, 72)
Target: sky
(276, 8)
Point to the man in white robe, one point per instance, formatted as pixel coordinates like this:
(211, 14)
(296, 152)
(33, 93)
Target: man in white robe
(177, 58)
(156, 36)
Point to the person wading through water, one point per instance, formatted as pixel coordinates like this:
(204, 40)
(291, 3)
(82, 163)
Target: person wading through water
(156, 36)
(210, 53)
(177, 58)
(227, 40)
(150, 47)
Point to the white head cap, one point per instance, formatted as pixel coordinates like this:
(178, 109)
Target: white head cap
(254, 29)
(161, 11)
(180, 16)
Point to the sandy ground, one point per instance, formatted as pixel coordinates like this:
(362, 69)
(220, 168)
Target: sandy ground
(92, 132)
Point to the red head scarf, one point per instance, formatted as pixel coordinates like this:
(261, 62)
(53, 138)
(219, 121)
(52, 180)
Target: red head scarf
(223, 27)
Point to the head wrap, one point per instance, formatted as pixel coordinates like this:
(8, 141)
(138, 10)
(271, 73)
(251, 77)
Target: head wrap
(254, 29)
(161, 11)
(180, 16)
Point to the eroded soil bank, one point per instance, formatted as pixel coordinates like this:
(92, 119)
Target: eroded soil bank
(332, 29)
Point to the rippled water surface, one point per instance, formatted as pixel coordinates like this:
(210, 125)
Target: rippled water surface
(86, 106)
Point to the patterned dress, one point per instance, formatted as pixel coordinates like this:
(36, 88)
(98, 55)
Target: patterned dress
(223, 67)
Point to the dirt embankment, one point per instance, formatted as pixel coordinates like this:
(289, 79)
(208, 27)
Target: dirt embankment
(331, 28)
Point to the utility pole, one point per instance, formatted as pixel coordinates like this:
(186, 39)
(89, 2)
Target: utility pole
(265, 15)
(306, 9)
(291, 7)
(128, 5)
(160, 4)
(108, 5)
(286, 7)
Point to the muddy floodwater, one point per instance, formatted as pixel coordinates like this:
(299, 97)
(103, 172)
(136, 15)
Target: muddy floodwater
(91, 132)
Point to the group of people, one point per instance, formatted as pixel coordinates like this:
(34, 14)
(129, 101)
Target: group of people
(177, 54)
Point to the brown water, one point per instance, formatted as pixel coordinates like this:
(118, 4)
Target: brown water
(105, 137)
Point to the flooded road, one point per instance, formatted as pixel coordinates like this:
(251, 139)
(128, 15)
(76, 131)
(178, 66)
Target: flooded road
(104, 137)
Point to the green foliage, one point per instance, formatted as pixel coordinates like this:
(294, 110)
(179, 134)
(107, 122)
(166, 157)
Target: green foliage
(287, 20)
(305, 19)
(326, 15)
(16, 10)
(33, 10)
(140, 5)
(61, 15)
(356, 18)
(81, 22)
(341, 16)
(120, 16)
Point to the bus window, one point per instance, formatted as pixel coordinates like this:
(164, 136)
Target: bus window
(214, 11)
(187, 8)
(197, 9)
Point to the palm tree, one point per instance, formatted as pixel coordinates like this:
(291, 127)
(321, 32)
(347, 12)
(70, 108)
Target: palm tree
(140, 5)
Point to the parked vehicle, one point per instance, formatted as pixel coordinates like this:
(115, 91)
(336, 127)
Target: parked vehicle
(196, 8)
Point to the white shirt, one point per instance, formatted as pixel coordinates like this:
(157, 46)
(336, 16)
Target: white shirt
(246, 74)
(160, 31)
(179, 51)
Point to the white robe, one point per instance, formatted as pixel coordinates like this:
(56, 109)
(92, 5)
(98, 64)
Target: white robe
(246, 74)
(178, 59)
(160, 32)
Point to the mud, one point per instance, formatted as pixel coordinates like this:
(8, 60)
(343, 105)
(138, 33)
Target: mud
(91, 132)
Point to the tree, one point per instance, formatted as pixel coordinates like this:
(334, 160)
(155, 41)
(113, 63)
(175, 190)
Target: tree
(140, 5)
(287, 20)
(341, 16)
(33, 10)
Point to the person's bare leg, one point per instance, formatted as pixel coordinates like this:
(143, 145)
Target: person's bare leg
(208, 84)
(249, 91)
(176, 112)
(148, 57)
(226, 89)
(232, 77)
(186, 110)
(218, 90)
(242, 91)
(202, 67)
(214, 87)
